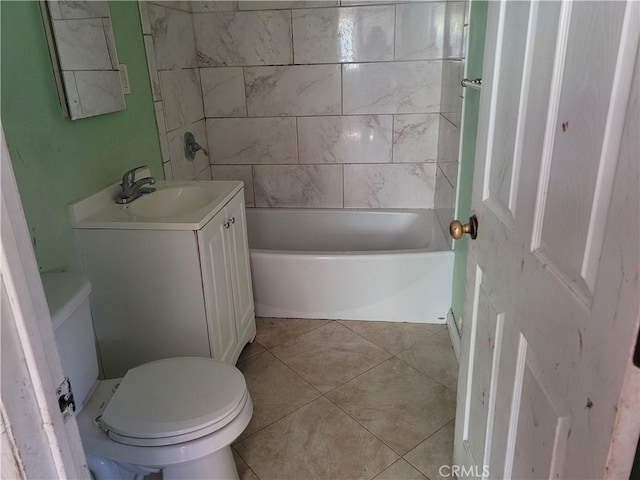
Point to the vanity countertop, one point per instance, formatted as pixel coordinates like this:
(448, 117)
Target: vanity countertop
(175, 205)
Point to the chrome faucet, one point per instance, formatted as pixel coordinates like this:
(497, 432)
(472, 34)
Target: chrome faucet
(132, 189)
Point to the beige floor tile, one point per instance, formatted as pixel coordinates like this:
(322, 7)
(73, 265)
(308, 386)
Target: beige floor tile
(330, 355)
(274, 331)
(318, 441)
(434, 452)
(250, 350)
(394, 337)
(436, 358)
(398, 404)
(401, 470)
(276, 391)
(244, 472)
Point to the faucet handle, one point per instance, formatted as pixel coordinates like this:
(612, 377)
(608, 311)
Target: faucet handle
(130, 175)
(191, 146)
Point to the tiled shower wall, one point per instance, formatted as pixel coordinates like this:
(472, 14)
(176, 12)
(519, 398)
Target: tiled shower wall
(175, 80)
(311, 104)
(455, 29)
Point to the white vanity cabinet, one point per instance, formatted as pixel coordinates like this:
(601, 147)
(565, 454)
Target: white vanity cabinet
(169, 287)
(224, 260)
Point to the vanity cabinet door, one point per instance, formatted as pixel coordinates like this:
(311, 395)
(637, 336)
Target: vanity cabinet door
(213, 241)
(240, 270)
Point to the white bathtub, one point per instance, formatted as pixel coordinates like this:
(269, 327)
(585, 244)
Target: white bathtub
(350, 264)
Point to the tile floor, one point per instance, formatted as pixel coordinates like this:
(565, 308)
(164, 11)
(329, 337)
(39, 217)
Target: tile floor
(347, 400)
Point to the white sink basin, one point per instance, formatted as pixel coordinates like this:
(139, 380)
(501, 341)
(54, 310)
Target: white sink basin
(171, 201)
(175, 205)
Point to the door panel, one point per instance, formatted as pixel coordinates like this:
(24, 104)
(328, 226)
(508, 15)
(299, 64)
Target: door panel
(214, 258)
(486, 341)
(539, 431)
(553, 282)
(573, 148)
(500, 168)
(240, 270)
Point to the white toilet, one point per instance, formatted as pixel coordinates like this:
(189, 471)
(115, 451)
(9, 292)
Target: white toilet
(176, 415)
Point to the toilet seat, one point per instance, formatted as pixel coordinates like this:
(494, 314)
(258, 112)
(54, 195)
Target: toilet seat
(174, 400)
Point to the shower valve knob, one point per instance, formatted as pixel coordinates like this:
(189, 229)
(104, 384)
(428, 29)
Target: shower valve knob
(457, 229)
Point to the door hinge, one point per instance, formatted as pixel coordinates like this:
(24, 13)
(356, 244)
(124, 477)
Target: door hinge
(65, 399)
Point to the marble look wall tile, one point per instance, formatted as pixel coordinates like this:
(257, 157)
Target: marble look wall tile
(204, 174)
(93, 93)
(454, 30)
(162, 131)
(223, 92)
(293, 90)
(419, 33)
(298, 186)
(82, 44)
(448, 141)
(389, 185)
(402, 87)
(71, 91)
(252, 141)
(183, 5)
(236, 172)
(168, 173)
(243, 38)
(284, 4)
(111, 43)
(200, 6)
(143, 8)
(445, 200)
(182, 97)
(365, 2)
(353, 139)
(73, 10)
(450, 171)
(415, 138)
(452, 73)
(453, 117)
(173, 38)
(182, 167)
(335, 35)
(153, 70)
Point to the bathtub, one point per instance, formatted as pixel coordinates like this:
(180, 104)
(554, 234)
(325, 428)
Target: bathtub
(350, 264)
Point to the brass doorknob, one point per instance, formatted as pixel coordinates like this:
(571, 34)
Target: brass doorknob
(457, 229)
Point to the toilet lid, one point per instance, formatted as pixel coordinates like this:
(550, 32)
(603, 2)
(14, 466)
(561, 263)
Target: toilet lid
(169, 398)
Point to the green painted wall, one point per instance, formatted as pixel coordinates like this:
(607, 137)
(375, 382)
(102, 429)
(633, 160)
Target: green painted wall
(471, 105)
(58, 161)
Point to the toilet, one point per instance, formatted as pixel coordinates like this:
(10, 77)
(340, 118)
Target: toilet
(177, 416)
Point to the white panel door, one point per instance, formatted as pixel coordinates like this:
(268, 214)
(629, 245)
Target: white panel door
(551, 316)
(35, 440)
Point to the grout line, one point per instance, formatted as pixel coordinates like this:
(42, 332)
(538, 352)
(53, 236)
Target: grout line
(326, 320)
(341, 89)
(344, 188)
(367, 429)
(425, 439)
(245, 461)
(393, 137)
(293, 47)
(395, 32)
(297, 141)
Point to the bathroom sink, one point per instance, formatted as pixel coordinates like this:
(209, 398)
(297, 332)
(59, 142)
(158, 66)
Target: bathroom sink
(170, 201)
(174, 205)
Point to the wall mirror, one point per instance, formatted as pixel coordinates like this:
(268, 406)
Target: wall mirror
(83, 52)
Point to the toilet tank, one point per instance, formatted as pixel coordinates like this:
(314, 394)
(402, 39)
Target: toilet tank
(68, 299)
